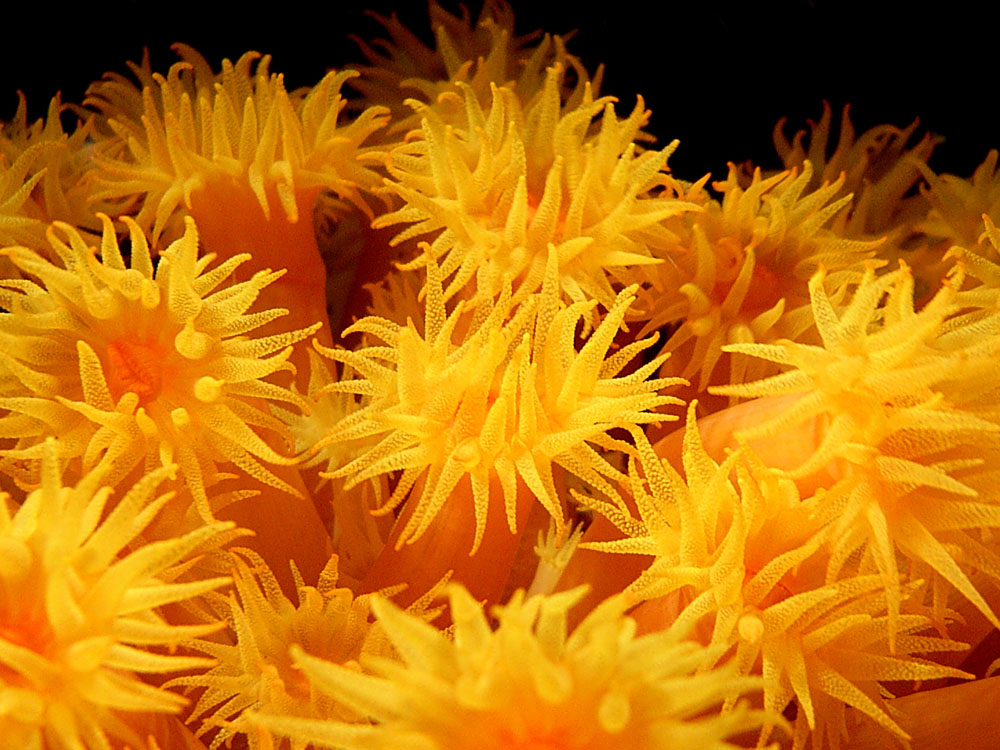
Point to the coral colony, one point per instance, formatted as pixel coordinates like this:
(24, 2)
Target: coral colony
(427, 409)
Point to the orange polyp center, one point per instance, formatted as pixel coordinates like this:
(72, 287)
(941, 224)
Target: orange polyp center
(550, 739)
(30, 631)
(763, 293)
(136, 366)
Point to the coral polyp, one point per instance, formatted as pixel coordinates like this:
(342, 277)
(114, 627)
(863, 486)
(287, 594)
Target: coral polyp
(494, 190)
(532, 403)
(528, 683)
(906, 410)
(135, 365)
(403, 344)
(180, 134)
(79, 611)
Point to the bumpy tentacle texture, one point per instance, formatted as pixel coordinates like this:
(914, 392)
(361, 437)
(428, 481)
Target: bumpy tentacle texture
(509, 400)
(255, 671)
(496, 189)
(910, 407)
(79, 620)
(403, 69)
(743, 275)
(528, 683)
(134, 367)
(745, 568)
(181, 133)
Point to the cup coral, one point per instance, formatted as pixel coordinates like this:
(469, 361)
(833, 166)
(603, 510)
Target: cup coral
(746, 569)
(520, 287)
(531, 403)
(495, 189)
(133, 365)
(79, 620)
(907, 406)
(527, 683)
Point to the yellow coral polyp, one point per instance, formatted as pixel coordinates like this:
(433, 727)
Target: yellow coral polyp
(133, 365)
(182, 132)
(531, 402)
(496, 189)
(907, 405)
(530, 683)
(744, 566)
(744, 276)
(79, 611)
(256, 672)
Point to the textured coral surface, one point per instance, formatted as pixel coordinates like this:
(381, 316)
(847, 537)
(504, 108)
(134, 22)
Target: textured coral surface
(445, 399)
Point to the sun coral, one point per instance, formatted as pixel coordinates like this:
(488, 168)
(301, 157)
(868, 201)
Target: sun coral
(183, 132)
(496, 189)
(131, 366)
(79, 620)
(530, 402)
(908, 407)
(256, 672)
(824, 538)
(227, 149)
(743, 278)
(746, 569)
(528, 683)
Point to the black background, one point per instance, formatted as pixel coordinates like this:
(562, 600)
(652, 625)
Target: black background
(716, 75)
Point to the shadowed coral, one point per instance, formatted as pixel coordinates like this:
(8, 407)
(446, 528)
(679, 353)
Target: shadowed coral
(358, 535)
(879, 168)
(61, 159)
(958, 204)
(405, 71)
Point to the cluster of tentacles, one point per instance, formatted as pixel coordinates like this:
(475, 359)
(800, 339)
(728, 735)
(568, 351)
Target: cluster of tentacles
(427, 408)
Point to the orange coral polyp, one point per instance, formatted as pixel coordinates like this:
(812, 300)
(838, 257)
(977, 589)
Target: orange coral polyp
(827, 530)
